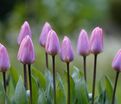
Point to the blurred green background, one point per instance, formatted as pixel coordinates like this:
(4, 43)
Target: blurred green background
(67, 17)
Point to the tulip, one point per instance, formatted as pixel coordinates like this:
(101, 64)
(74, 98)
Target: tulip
(66, 54)
(83, 47)
(116, 64)
(52, 44)
(4, 63)
(96, 47)
(26, 55)
(96, 41)
(25, 30)
(52, 48)
(43, 37)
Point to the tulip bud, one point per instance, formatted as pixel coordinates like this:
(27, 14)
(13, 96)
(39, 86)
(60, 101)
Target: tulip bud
(52, 43)
(26, 54)
(4, 59)
(66, 52)
(96, 41)
(116, 64)
(83, 46)
(43, 36)
(25, 30)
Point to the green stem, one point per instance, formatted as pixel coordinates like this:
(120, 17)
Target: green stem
(54, 82)
(25, 76)
(4, 80)
(94, 78)
(30, 82)
(68, 82)
(46, 56)
(84, 60)
(114, 91)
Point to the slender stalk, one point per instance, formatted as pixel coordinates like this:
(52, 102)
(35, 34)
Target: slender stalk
(46, 56)
(30, 82)
(68, 82)
(84, 62)
(94, 78)
(25, 77)
(54, 82)
(114, 91)
(4, 80)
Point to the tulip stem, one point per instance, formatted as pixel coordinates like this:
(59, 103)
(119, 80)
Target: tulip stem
(25, 76)
(30, 83)
(114, 91)
(84, 62)
(4, 80)
(46, 56)
(94, 78)
(54, 82)
(68, 81)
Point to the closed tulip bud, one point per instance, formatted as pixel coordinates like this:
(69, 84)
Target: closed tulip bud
(116, 64)
(25, 30)
(83, 46)
(26, 54)
(43, 36)
(4, 59)
(66, 52)
(52, 44)
(96, 41)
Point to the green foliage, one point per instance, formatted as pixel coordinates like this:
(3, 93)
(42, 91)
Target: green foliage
(42, 88)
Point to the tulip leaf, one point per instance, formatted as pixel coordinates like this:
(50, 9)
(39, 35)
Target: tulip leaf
(20, 93)
(2, 94)
(42, 98)
(14, 75)
(40, 78)
(80, 87)
(109, 89)
(60, 93)
(35, 90)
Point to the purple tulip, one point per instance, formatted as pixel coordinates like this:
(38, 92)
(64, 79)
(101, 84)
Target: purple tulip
(25, 30)
(52, 48)
(66, 52)
(52, 44)
(83, 46)
(96, 41)
(43, 36)
(4, 63)
(26, 54)
(4, 59)
(96, 47)
(116, 64)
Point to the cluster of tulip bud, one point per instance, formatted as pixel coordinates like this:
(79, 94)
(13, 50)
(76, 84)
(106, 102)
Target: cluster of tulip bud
(50, 42)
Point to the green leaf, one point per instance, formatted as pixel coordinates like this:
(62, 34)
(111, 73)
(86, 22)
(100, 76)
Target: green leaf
(80, 87)
(20, 93)
(81, 92)
(40, 78)
(105, 91)
(77, 74)
(42, 98)
(60, 93)
(109, 89)
(14, 75)
(2, 95)
(35, 91)
(49, 94)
